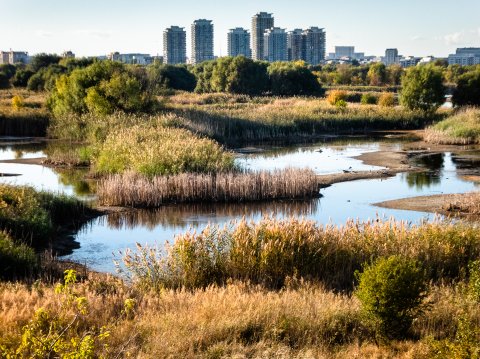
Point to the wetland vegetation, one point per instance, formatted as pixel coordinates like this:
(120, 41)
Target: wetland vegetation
(147, 137)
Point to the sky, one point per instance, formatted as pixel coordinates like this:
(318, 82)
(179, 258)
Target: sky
(98, 27)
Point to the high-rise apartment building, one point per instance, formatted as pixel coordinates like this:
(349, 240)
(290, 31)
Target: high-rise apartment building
(239, 42)
(14, 57)
(202, 41)
(275, 45)
(296, 45)
(175, 45)
(260, 22)
(315, 43)
(391, 57)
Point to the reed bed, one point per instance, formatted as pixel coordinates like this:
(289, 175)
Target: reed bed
(133, 190)
(271, 251)
(462, 128)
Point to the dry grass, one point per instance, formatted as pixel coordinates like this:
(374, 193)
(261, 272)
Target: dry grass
(134, 190)
(465, 203)
(238, 320)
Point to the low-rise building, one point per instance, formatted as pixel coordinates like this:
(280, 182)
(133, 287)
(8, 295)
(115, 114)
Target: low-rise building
(466, 56)
(409, 61)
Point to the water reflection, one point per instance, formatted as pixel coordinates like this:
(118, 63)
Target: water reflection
(183, 216)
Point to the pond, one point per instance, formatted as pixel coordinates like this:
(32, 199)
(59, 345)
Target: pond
(110, 234)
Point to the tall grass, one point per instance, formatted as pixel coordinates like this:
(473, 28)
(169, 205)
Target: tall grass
(273, 250)
(154, 151)
(17, 261)
(460, 129)
(134, 190)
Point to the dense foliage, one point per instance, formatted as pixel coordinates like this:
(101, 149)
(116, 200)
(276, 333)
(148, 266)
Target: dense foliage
(392, 291)
(175, 77)
(423, 89)
(467, 92)
(102, 88)
(293, 79)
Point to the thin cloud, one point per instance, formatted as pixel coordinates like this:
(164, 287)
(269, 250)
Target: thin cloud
(99, 34)
(417, 38)
(43, 33)
(454, 38)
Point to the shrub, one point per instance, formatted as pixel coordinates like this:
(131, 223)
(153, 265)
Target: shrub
(341, 104)
(386, 99)
(392, 291)
(336, 96)
(369, 99)
(461, 128)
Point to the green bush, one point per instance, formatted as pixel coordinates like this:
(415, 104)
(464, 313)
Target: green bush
(369, 99)
(392, 291)
(16, 260)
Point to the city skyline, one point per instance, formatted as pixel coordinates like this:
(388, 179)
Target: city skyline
(429, 28)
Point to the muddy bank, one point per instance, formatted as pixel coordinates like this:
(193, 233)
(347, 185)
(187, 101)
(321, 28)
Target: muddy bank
(394, 162)
(431, 204)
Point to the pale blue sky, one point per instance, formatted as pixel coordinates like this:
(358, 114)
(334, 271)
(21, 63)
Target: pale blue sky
(97, 27)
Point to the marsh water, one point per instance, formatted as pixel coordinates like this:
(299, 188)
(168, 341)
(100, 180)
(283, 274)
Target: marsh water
(107, 235)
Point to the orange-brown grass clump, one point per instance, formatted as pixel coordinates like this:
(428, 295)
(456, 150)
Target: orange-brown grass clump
(134, 190)
(272, 250)
(237, 320)
(468, 203)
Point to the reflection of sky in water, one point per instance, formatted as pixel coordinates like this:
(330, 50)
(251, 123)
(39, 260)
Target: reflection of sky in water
(39, 177)
(340, 202)
(323, 159)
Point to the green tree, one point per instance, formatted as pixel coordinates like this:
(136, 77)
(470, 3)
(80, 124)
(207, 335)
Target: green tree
(175, 77)
(392, 291)
(102, 88)
(21, 78)
(377, 74)
(423, 89)
(467, 92)
(293, 78)
(8, 70)
(4, 81)
(394, 74)
(43, 60)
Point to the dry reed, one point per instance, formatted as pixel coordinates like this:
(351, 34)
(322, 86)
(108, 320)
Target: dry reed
(468, 203)
(134, 190)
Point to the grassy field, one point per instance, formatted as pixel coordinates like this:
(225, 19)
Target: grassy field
(461, 128)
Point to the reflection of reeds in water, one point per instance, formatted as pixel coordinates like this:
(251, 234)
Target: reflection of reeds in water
(134, 190)
(175, 216)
